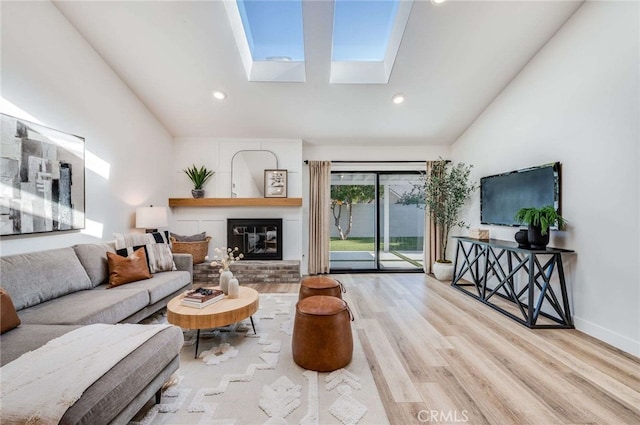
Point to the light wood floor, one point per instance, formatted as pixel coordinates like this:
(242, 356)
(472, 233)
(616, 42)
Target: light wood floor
(440, 357)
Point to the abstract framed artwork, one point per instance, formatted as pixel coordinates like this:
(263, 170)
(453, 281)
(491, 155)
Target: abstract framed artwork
(275, 183)
(42, 181)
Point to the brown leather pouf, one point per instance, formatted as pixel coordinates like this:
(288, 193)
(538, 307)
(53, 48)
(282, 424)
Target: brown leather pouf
(320, 285)
(322, 339)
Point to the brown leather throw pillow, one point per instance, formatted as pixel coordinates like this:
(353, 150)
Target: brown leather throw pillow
(8, 317)
(127, 269)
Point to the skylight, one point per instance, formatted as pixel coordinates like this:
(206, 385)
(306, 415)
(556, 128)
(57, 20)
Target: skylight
(273, 29)
(270, 39)
(366, 39)
(361, 29)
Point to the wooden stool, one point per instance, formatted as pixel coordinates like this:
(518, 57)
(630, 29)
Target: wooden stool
(322, 339)
(320, 285)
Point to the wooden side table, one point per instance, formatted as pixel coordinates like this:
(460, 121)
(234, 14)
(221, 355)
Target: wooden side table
(221, 313)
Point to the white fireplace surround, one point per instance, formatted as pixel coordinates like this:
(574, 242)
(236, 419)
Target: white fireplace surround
(216, 154)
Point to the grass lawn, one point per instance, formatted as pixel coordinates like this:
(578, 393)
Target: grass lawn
(406, 243)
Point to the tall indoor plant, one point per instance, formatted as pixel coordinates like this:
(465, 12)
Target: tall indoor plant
(198, 177)
(447, 188)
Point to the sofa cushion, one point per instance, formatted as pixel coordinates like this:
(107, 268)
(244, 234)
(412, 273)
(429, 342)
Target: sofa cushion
(37, 277)
(26, 338)
(103, 401)
(163, 284)
(97, 305)
(93, 258)
(8, 317)
(127, 269)
(156, 246)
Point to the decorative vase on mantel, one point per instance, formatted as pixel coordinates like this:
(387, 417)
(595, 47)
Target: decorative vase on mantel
(197, 193)
(234, 288)
(225, 277)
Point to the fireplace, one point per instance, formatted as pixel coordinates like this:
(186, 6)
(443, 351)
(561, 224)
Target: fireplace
(256, 238)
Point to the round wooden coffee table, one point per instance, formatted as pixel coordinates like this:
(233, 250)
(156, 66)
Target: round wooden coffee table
(221, 313)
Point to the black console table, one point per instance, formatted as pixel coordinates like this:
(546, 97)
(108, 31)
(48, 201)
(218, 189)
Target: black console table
(492, 266)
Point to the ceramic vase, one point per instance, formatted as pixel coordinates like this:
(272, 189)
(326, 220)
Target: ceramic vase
(443, 271)
(536, 239)
(522, 238)
(234, 288)
(197, 193)
(225, 277)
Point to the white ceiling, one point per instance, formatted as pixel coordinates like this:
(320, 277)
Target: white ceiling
(454, 59)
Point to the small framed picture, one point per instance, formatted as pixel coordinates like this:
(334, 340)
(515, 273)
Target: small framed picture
(275, 183)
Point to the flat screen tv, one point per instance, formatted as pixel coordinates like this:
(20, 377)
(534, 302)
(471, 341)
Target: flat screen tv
(502, 195)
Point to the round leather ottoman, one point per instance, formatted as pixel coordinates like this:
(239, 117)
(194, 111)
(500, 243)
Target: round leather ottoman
(322, 339)
(320, 285)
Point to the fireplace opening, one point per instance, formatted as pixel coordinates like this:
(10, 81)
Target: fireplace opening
(256, 238)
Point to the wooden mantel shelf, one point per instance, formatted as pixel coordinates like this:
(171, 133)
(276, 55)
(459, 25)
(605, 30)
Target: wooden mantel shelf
(235, 202)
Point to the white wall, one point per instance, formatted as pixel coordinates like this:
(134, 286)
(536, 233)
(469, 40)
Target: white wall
(577, 102)
(52, 75)
(216, 154)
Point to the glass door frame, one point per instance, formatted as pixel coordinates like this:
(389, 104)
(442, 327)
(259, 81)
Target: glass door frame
(377, 233)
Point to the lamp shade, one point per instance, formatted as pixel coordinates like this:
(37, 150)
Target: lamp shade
(151, 217)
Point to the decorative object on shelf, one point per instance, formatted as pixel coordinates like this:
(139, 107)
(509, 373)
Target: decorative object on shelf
(522, 238)
(447, 188)
(247, 172)
(224, 258)
(539, 221)
(151, 218)
(275, 183)
(479, 234)
(43, 183)
(233, 288)
(198, 177)
(197, 249)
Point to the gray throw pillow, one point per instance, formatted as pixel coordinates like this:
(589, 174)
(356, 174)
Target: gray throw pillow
(199, 237)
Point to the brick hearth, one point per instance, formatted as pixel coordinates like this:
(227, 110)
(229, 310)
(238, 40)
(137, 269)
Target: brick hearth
(250, 271)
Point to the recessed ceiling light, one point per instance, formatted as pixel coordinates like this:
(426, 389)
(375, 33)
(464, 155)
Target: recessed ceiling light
(218, 95)
(437, 1)
(398, 99)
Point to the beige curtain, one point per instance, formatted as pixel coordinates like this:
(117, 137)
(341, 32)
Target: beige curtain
(432, 238)
(319, 224)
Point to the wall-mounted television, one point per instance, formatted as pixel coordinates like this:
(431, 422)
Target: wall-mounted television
(502, 195)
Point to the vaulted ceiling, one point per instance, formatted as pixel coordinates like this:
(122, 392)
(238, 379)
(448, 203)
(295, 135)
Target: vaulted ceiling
(454, 59)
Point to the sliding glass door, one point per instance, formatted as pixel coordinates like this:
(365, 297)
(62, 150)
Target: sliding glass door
(353, 219)
(377, 225)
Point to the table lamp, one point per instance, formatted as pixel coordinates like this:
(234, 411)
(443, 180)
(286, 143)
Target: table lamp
(151, 218)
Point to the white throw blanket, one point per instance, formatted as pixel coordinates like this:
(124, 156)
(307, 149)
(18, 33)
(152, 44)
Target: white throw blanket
(39, 386)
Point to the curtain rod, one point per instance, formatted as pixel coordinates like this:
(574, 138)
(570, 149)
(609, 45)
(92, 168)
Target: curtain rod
(306, 161)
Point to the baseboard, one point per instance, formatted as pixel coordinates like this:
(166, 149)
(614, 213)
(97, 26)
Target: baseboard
(619, 341)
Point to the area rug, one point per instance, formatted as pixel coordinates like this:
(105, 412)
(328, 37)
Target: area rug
(245, 378)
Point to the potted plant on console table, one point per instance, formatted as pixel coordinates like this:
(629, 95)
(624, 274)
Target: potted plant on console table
(447, 188)
(198, 177)
(539, 221)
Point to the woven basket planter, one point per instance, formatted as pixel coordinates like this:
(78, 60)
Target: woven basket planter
(198, 250)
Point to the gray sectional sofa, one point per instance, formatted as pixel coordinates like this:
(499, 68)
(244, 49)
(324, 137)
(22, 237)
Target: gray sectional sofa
(59, 290)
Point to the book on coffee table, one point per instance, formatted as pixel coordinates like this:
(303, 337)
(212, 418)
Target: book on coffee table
(200, 300)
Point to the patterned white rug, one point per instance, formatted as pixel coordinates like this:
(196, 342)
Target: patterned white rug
(246, 379)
